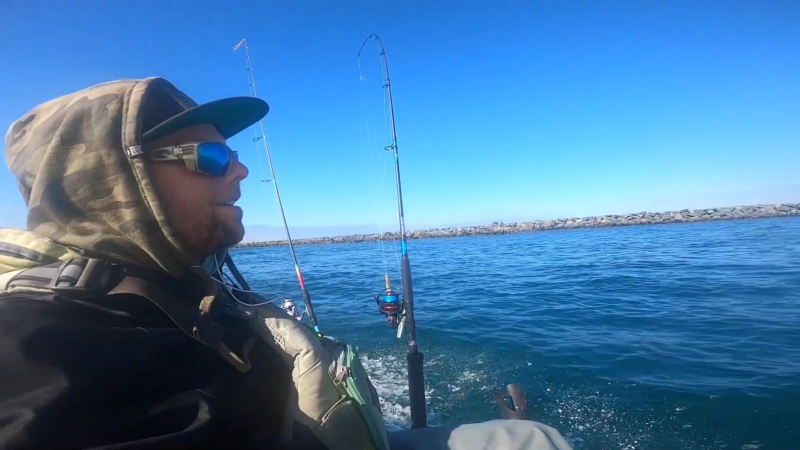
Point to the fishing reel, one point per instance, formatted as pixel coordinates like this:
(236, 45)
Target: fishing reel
(391, 304)
(289, 308)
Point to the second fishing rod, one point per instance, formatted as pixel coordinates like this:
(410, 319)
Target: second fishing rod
(306, 296)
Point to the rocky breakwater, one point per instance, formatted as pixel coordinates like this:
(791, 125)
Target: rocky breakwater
(642, 218)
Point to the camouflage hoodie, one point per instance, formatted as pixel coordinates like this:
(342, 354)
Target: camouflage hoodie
(84, 195)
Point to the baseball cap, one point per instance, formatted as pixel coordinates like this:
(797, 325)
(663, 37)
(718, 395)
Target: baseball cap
(167, 109)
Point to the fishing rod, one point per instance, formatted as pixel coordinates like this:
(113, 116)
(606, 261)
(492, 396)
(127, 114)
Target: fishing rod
(416, 377)
(306, 295)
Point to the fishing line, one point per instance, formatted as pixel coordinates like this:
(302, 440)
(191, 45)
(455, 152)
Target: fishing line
(386, 142)
(385, 156)
(374, 186)
(375, 202)
(377, 172)
(386, 147)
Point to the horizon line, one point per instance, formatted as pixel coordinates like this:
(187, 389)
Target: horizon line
(686, 215)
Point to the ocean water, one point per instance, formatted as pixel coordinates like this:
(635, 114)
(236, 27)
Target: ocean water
(679, 336)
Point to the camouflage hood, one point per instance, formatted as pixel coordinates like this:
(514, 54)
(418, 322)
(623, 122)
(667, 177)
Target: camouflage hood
(82, 191)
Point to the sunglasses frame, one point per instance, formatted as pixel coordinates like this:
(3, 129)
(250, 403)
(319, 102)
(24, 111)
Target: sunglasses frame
(188, 154)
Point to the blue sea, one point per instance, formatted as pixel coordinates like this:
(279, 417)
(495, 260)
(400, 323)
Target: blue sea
(675, 336)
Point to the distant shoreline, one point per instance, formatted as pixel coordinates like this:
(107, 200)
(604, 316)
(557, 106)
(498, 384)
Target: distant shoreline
(643, 218)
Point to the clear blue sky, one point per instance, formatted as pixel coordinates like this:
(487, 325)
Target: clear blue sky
(505, 111)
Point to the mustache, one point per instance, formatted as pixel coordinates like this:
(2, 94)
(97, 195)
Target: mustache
(233, 196)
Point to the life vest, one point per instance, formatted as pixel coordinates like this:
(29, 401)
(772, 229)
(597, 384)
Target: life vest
(335, 398)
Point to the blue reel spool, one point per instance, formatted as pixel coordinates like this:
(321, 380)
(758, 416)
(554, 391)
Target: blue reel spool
(391, 297)
(390, 304)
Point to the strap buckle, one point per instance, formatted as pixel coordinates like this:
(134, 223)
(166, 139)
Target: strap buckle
(80, 276)
(207, 330)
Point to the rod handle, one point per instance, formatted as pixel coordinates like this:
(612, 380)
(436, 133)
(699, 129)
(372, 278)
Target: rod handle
(416, 390)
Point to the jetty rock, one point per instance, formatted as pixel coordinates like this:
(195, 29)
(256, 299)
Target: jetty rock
(641, 218)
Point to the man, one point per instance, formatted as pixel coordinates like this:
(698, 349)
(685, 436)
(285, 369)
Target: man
(112, 332)
(135, 174)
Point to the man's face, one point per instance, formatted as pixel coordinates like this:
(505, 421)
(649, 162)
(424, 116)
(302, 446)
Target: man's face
(193, 201)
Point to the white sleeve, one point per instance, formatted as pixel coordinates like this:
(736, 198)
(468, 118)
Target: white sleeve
(494, 434)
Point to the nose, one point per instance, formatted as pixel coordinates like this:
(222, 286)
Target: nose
(237, 173)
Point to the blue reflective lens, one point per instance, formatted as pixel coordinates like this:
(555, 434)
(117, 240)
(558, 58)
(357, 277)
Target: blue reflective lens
(214, 159)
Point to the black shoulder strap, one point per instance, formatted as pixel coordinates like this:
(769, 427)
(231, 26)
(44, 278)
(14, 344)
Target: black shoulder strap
(196, 323)
(91, 277)
(75, 275)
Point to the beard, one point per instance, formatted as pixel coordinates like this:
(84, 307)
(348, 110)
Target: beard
(207, 239)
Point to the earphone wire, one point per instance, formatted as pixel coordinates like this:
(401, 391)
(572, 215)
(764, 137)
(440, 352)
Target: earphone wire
(231, 288)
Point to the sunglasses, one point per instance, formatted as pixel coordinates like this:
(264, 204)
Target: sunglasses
(210, 158)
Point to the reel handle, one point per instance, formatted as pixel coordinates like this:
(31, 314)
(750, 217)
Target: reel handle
(518, 402)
